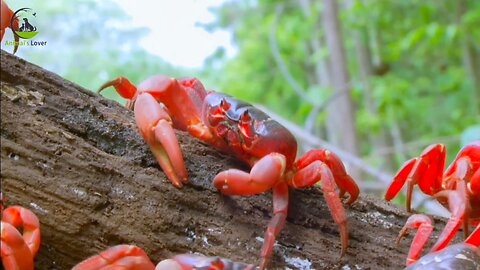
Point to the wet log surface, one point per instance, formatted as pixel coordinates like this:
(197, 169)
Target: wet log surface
(77, 161)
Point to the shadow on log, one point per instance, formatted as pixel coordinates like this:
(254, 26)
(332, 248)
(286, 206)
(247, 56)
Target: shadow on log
(77, 161)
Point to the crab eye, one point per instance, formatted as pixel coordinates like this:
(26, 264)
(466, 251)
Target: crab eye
(245, 117)
(246, 128)
(224, 105)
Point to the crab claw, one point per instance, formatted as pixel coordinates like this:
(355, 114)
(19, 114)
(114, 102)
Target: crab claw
(118, 257)
(14, 251)
(21, 217)
(156, 127)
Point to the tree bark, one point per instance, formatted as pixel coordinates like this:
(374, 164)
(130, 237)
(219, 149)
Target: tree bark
(77, 161)
(341, 111)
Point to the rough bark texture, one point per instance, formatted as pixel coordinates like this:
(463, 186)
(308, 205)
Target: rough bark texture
(77, 161)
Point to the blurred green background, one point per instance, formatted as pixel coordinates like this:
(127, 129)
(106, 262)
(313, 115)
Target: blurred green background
(379, 80)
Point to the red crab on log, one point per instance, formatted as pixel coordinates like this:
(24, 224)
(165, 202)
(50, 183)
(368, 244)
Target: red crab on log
(161, 103)
(459, 256)
(7, 22)
(131, 257)
(458, 189)
(20, 237)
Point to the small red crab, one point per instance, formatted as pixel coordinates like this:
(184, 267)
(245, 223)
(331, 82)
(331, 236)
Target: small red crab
(447, 258)
(130, 257)
(458, 189)
(235, 127)
(5, 22)
(18, 249)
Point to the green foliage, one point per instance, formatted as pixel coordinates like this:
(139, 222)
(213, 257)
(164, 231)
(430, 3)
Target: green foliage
(426, 90)
(91, 42)
(254, 75)
(427, 83)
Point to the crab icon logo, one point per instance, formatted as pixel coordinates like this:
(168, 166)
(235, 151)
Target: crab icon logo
(26, 20)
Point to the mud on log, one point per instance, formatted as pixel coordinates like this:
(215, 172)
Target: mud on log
(77, 161)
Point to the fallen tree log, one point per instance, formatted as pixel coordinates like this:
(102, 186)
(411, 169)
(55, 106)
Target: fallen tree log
(77, 161)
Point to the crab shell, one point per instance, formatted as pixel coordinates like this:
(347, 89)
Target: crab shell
(246, 131)
(460, 256)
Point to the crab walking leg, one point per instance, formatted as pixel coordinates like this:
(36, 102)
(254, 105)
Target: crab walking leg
(276, 224)
(14, 251)
(124, 87)
(400, 179)
(319, 171)
(344, 182)
(20, 217)
(457, 180)
(155, 126)
(426, 171)
(262, 177)
(424, 227)
(267, 172)
(117, 257)
(474, 238)
(457, 205)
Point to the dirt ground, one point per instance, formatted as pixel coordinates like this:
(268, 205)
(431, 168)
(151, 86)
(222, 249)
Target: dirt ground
(76, 160)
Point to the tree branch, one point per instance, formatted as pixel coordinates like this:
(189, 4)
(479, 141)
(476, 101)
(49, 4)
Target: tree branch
(77, 161)
(279, 60)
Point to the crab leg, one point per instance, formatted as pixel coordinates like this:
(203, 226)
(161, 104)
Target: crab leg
(124, 87)
(15, 252)
(426, 171)
(424, 227)
(474, 238)
(315, 172)
(400, 179)
(117, 257)
(276, 224)
(344, 182)
(155, 126)
(267, 172)
(458, 205)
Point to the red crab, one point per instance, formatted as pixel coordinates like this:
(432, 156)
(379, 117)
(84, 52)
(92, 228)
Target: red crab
(446, 258)
(19, 249)
(5, 21)
(238, 128)
(458, 189)
(130, 257)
